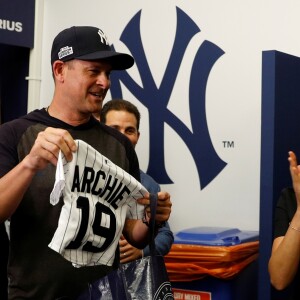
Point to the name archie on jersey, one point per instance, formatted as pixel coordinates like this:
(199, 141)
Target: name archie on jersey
(100, 184)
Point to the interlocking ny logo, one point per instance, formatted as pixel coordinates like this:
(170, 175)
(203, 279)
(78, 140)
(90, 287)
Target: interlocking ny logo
(198, 141)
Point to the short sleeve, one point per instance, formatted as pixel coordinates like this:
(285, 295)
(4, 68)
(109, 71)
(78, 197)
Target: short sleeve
(284, 212)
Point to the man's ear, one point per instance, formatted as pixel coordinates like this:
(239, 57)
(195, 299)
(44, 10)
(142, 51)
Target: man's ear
(58, 68)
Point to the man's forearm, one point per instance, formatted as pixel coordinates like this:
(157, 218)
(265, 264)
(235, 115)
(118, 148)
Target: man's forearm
(136, 233)
(13, 185)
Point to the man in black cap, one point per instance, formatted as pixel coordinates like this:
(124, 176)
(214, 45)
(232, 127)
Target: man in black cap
(81, 60)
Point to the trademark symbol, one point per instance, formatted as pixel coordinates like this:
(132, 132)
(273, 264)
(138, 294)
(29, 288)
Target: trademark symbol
(228, 144)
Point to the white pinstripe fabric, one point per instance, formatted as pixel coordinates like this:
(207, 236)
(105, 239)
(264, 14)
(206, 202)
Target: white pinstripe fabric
(77, 181)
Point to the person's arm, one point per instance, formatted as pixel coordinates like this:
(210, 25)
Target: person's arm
(19, 178)
(285, 255)
(135, 231)
(163, 241)
(164, 238)
(128, 252)
(14, 184)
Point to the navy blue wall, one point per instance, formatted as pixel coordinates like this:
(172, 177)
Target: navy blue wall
(14, 65)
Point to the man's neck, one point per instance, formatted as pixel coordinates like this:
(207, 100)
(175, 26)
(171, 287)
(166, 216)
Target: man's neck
(68, 116)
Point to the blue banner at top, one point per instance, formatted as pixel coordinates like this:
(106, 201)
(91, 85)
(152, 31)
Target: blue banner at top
(17, 22)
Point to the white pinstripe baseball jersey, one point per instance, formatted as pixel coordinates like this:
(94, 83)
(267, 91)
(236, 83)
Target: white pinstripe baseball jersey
(98, 196)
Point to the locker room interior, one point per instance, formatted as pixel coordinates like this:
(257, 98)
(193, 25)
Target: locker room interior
(239, 102)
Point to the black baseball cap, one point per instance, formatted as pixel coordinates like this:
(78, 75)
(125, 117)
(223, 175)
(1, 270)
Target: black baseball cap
(87, 43)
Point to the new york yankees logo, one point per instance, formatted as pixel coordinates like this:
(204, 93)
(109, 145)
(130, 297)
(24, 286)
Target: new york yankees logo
(207, 161)
(103, 37)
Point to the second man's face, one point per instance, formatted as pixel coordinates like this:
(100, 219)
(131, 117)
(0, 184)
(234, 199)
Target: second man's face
(124, 122)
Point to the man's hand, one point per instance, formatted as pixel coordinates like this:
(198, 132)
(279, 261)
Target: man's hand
(135, 231)
(163, 209)
(47, 146)
(128, 252)
(295, 174)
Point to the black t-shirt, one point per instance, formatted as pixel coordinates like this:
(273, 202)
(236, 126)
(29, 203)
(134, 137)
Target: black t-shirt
(3, 262)
(35, 271)
(285, 210)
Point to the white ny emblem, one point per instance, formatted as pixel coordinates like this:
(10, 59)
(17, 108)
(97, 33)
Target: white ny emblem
(103, 37)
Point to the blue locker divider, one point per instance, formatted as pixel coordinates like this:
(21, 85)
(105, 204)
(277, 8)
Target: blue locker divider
(280, 132)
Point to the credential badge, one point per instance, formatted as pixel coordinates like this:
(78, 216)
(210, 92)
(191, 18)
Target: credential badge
(65, 51)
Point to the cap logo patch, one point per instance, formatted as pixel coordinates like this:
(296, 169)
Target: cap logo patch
(65, 51)
(103, 37)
